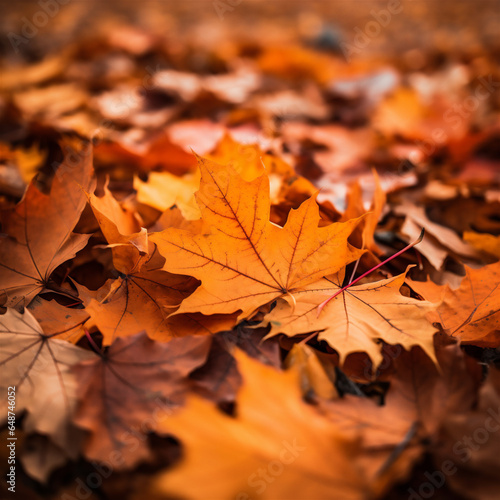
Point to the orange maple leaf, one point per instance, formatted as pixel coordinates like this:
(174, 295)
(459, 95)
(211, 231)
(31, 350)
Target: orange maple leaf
(357, 318)
(246, 261)
(143, 301)
(39, 229)
(276, 447)
(471, 313)
(122, 230)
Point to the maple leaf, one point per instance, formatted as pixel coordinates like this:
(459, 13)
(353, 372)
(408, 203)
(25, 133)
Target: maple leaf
(252, 253)
(38, 365)
(357, 318)
(143, 295)
(251, 161)
(39, 229)
(163, 189)
(246, 261)
(129, 389)
(470, 313)
(276, 447)
(420, 399)
(144, 300)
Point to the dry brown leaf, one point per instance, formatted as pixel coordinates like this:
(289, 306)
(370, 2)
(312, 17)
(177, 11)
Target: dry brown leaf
(419, 401)
(471, 442)
(126, 392)
(38, 365)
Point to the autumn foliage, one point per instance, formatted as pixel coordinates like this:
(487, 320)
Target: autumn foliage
(163, 270)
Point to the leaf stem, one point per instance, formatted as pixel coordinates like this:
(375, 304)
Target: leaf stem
(92, 343)
(411, 245)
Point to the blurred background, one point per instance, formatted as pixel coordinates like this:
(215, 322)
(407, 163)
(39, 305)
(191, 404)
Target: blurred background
(333, 87)
(428, 25)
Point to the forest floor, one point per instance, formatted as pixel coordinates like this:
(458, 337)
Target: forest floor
(250, 250)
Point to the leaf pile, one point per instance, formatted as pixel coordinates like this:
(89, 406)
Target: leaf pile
(166, 245)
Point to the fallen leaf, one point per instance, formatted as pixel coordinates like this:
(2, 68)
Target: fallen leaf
(50, 102)
(470, 444)
(122, 229)
(471, 312)
(134, 302)
(439, 242)
(484, 242)
(38, 366)
(48, 68)
(358, 318)
(129, 390)
(29, 160)
(418, 402)
(58, 321)
(365, 232)
(163, 190)
(38, 231)
(144, 151)
(276, 447)
(246, 261)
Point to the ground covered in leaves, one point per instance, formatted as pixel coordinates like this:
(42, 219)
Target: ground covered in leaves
(192, 301)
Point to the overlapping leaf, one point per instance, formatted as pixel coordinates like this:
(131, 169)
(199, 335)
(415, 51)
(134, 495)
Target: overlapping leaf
(418, 402)
(145, 300)
(471, 440)
(245, 261)
(38, 365)
(273, 426)
(122, 230)
(471, 313)
(358, 318)
(39, 230)
(130, 389)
